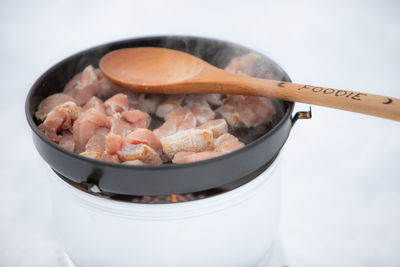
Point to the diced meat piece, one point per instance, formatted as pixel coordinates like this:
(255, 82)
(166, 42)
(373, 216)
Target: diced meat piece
(94, 102)
(83, 85)
(168, 104)
(178, 119)
(187, 157)
(92, 155)
(137, 118)
(134, 162)
(141, 152)
(133, 98)
(199, 107)
(227, 143)
(113, 143)
(60, 118)
(246, 111)
(106, 87)
(97, 142)
(144, 136)
(116, 104)
(191, 140)
(49, 103)
(67, 141)
(243, 65)
(188, 122)
(86, 125)
(218, 127)
(119, 126)
(110, 158)
(214, 99)
(149, 102)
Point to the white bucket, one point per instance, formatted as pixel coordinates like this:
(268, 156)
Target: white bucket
(236, 228)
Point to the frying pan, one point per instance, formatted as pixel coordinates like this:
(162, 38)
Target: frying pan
(228, 171)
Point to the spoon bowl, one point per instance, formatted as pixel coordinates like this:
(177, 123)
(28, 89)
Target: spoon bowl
(144, 66)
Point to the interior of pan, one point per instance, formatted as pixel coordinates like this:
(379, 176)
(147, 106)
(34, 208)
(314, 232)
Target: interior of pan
(216, 52)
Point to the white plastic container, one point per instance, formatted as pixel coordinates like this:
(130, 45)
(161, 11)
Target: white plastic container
(236, 228)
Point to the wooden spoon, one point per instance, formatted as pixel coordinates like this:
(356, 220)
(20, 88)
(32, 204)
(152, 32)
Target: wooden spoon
(166, 71)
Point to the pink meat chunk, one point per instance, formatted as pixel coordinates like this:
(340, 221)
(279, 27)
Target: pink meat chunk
(145, 136)
(149, 102)
(94, 102)
(243, 65)
(133, 98)
(218, 127)
(191, 140)
(134, 162)
(116, 104)
(200, 108)
(106, 87)
(50, 102)
(246, 111)
(141, 152)
(86, 125)
(137, 118)
(227, 143)
(60, 118)
(187, 157)
(91, 154)
(113, 143)
(180, 118)
(110, 158)
(119, 126)
(67, 141)
(83, 85)
(97, 142)
(168, 104)
(214, 99)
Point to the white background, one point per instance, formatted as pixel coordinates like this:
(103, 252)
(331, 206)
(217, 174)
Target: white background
(342, 170)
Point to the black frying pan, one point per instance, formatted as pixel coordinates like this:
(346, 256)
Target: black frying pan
(263, 144)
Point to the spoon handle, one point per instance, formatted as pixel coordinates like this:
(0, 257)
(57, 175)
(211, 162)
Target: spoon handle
(375, 105)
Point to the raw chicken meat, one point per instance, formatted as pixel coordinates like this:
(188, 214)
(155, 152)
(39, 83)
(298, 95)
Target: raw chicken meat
(243, 65)
(187, 157)
(86, 125)
(137, 118)
(218, 127)
(106, 87)
(60, 118)
(246, 111)
(113, 143)
(214, 99)
(179, 118)
(227, 143)
(119, 126)
(110, 158)
(91, 155)
(94, 102)
(144, 136)
(67, 141)
(141, 152)
(97, 142)
(51, 102)
(199, 107)
(168, 104)
(149, 102)
(134, 162)
(83, 85)
(191, 140)
(116, 104)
